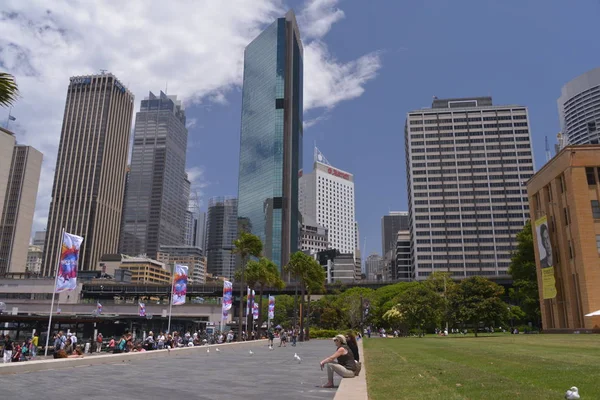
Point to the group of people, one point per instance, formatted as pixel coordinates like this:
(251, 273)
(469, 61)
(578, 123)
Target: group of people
(285, 336)
(345, 361)
(14, 351)
(66, 345)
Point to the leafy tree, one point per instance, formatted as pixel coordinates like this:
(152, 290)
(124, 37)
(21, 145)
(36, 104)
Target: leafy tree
(394, 318)
(476, 300)
(523, 270)
(304, 269)
(315, 283)
(420, 306)
(9, 90)
(384, 299)
(284, 310)
(246, 245)
(349, 302)
(441, 283)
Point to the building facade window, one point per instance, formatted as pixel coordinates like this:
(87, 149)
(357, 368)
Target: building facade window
(595, 209)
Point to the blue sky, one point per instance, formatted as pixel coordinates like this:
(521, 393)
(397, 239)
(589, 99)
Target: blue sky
(520, 52)
(366, 65)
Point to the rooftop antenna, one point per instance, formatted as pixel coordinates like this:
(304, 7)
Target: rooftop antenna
(548, 156)
(319, 156)
(364, 258)
(102, 71)
(167, 87)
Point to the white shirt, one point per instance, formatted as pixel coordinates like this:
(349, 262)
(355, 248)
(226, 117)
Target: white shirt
(73, 340)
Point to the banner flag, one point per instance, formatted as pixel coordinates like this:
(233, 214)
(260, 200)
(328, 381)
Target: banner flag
(66, 279)
(180, 284)
(254, 307)
(227, 297)
(271, 307)
(546, 258)
(98, 308)
(142, 310)
(248, 300)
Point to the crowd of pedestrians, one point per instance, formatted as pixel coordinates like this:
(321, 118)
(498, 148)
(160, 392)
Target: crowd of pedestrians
(14, 351)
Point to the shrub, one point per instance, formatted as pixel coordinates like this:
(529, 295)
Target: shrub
(316, 333)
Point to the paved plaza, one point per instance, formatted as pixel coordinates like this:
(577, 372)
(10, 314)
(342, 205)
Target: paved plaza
(229, 374)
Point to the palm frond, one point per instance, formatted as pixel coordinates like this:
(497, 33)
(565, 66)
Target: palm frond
(9, 91)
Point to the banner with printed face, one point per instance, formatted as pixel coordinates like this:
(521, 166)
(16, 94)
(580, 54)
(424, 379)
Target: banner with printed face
(142, 310)
(66, 278)
(546, 258)
(254, 309)
(180, 284)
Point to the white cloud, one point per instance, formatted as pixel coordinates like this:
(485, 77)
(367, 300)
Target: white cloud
(197, 177)
(196, 46)
(318, 16)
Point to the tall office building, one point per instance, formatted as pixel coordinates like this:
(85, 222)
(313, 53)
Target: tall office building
(327, 196)
(221, 229)
(579, 109)
(403, 263)
(390, 226)
(200, 231)
(467, 164)
(191, 256)
(158, 188)
(374, 265)
(16, 217)
(39, 237)
(7, 144)
(89, 180)
(271, 139)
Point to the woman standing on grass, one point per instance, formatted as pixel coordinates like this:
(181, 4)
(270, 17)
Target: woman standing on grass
(345, 366)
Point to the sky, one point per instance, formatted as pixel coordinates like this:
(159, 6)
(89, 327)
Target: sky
(366, 65)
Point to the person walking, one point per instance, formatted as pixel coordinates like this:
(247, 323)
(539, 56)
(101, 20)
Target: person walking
(7, 349)
(99, 340)
(345, 366)
(34, 344)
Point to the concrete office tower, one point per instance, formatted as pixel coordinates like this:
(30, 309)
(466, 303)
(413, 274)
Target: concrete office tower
(18, 208)
(89, 180)
(327, 196)
(34, 259)
(271, 139)
(158, 189)
(579, 109)
(39, 237)
(314, 238)
(7, 144)
(467, 164)
(403, 263)
(221, 228)
(391, 224)
(200, 231)
(374, 267)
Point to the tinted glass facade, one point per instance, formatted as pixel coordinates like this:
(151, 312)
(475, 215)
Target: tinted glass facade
(271, 139)
(157, 185)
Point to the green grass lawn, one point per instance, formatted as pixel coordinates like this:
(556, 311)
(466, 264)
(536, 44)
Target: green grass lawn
(501, 366)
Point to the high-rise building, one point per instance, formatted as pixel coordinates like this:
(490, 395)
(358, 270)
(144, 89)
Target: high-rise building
(564, 196)
(89, 180)
(390, 226)
(403, 264)
(190, 256)
(39, 237)
(221, 229)
(200, 231)
(16, 218)
(158, 188)
(579, 109)
(271, 139)
(374, 267)
(467, 164)
(314, 238)
(7, 144)
(327, 196)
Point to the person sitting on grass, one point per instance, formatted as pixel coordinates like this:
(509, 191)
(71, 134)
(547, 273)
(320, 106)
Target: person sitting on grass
(345, 366)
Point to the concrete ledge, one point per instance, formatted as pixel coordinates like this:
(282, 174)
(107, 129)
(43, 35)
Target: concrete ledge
(354, 388)
(53, 364)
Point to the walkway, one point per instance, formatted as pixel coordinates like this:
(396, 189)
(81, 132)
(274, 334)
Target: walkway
(194, 374)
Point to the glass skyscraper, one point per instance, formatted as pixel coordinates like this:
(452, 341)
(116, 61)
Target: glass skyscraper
(157, 185)
(271, 139)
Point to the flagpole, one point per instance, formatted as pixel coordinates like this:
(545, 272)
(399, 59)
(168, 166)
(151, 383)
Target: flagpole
(62, 238)
(171, 302)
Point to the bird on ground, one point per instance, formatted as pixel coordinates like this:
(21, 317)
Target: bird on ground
(572, 394)
(217, 350)
(297, 358)
(208, 350)
(270, 347)
(250, 352)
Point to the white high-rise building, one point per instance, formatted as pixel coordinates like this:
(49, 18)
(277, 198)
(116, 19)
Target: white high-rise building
(467, 164)
(327, 197)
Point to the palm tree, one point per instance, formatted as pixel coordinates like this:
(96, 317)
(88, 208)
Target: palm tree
(298, 268)
(247, 245)
(315, 283)
(8, 89)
